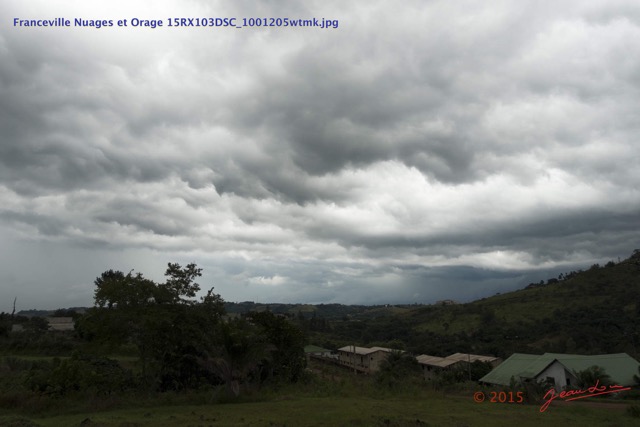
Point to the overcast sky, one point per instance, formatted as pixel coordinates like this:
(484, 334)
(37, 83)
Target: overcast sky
(421, 150)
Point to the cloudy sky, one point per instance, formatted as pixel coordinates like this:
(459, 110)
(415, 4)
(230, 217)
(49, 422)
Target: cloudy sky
(421, 150)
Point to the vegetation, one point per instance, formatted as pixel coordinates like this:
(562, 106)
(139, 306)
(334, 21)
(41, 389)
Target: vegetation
(345, 401)
(397, 371)
(591, 376)
(178, 343)
(174, 359)
(584, 312)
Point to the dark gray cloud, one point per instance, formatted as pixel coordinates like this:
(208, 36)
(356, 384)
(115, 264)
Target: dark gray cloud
(418, 152)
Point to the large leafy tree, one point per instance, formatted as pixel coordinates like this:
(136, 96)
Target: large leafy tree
(288, 360)
(241, 355)
(114, 289)
(182, 341)
(180, 284)
(167, 325)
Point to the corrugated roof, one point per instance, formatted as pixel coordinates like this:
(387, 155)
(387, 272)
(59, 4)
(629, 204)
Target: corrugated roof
(386, 350)
(465, 357)
(620, 367)
(60, 323)
(440, 362)
(364, 350)
(356, 350)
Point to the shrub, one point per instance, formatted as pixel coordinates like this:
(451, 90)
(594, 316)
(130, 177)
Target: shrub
(99, 375)
(591, 376)
(397, 370)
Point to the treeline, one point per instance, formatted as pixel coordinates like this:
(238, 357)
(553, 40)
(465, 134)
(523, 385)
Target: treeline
(179, 342)
(633, 259)
(326, 311)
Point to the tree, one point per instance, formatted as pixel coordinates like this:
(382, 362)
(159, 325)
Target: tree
(6, 320)
(288, 359)
(181, 282)
(239, 358)
(168, 328)
(36, 325)
(397, 369)
(479, 369)
(592, 375)
(114, 289)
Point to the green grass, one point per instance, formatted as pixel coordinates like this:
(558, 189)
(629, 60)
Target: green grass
(427, 409)
(330, 396)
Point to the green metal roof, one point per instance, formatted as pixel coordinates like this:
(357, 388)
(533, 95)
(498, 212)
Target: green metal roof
(620, 367)
(514, 366)
(315, 349)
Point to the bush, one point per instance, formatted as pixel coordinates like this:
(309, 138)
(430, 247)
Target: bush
(397, 370)
(99, 375)
(591, 376)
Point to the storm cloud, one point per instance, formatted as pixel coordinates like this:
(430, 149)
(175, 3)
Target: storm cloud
(416, 152)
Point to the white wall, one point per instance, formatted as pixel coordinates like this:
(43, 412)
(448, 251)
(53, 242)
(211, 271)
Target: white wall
(559, 373)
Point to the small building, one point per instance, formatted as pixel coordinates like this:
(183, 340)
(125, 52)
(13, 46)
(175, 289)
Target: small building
(363, 359)
(560, 369)
(434, 365)
(16, 327)
(60, 323)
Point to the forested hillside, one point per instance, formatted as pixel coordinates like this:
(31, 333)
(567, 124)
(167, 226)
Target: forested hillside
(588, 312)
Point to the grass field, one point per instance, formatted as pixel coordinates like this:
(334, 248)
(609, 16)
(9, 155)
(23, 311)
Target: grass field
(427, 409)
(329, 396)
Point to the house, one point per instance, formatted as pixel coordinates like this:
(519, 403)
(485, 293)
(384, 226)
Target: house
(363, 359)
(559, 369)
(60, 323)
(433, 365)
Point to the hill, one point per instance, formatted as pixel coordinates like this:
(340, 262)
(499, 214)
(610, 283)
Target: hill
(588, 312)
